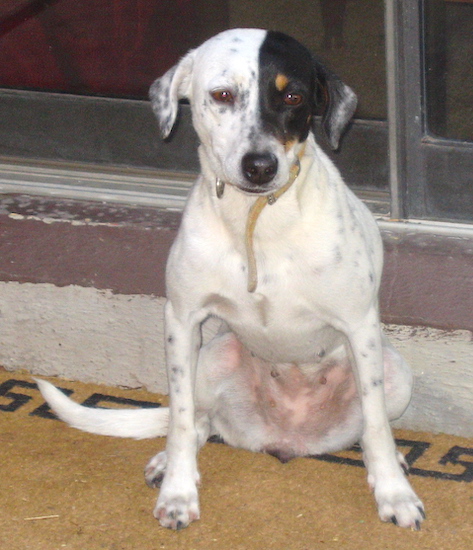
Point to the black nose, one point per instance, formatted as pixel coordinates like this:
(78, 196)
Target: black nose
(259, 168)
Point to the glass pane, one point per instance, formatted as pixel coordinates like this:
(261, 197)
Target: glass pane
(449, 68)
(117, 47)
(102, 47)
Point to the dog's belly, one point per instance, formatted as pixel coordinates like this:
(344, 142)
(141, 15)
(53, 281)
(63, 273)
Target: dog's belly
(294, 335)
(285, 409)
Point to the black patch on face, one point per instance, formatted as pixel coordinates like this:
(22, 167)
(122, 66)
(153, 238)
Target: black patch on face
(282, 55)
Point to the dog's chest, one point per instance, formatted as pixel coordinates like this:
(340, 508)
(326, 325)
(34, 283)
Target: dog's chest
(310, 274)
(282, 320)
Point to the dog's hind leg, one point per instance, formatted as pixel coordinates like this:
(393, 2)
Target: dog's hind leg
(398, 381)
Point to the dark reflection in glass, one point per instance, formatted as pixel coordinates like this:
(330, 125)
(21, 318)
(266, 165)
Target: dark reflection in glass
(102, 47)
(449, 68)
(117, 47)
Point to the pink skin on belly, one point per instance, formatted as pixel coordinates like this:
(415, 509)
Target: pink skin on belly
(291, 408)
(299, 407)
(287, 409)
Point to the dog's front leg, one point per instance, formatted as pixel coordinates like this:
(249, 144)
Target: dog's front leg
(395, 498)
(178, 503)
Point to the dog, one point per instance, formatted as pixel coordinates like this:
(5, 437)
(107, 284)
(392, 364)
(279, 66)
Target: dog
(274, 245)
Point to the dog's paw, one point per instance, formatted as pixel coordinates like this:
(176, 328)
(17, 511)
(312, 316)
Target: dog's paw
(398, 503)
(177, 511)
(178, 501)
(155, 470)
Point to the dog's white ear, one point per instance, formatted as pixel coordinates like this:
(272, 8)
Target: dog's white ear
(165, 92)
(339, 104)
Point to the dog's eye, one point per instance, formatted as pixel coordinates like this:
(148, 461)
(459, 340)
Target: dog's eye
(292, 99)
(223, 96)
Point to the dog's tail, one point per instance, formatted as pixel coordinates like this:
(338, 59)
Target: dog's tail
(135, 423)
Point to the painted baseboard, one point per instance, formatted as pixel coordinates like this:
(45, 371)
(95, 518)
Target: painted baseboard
(99, 336)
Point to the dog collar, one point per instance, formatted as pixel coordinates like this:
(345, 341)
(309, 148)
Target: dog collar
(254, 213)
(253, 216)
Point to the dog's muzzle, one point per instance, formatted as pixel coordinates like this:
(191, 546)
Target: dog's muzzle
(259, 169)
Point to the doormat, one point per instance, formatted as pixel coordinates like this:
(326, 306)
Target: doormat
(62, 488)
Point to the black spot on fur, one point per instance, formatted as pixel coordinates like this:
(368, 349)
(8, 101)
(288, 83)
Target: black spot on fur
(376, 382)
(371, 344)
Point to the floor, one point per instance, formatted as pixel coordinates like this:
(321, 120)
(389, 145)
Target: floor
(61, 488)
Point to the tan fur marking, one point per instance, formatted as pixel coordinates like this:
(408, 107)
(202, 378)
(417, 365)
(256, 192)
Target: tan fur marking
(288, 145)
(281, 81)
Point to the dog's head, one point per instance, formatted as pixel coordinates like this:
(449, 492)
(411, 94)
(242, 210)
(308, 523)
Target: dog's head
(253, 96)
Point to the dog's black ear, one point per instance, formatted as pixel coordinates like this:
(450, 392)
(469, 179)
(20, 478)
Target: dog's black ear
(165, 93)
(339, 104)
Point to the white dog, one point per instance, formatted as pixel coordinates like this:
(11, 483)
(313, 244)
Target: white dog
(275, 245)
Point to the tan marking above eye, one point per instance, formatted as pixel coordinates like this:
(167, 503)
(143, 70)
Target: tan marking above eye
(281, 81)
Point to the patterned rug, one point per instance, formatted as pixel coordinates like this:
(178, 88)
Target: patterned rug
(61, 488)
